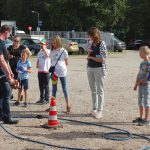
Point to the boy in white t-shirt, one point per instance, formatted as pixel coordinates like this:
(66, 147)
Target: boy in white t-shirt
(43, 65)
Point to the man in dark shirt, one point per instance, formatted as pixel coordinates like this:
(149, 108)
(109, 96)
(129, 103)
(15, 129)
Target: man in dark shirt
(5, 76)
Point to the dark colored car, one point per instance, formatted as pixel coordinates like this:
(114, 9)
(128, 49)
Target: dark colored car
(135, 45)
(32, 44)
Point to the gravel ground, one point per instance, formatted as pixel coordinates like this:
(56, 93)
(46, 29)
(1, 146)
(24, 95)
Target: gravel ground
(119, 111)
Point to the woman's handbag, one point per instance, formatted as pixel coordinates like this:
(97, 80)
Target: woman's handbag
(52, 68)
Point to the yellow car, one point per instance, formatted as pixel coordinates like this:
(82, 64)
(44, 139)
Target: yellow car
(70, 46)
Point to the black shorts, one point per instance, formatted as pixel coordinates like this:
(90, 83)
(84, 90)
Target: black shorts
(24, 84)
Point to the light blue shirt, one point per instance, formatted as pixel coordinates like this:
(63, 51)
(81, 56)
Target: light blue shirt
(144, 70)
(21, 69)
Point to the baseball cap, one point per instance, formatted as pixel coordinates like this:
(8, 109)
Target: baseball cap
(44, 41)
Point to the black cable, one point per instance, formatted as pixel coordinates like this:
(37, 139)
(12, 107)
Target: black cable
(106, 135)
(38, 142)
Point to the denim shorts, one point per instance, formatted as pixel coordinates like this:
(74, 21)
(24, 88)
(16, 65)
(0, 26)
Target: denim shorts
(144, 95)
(24, 84)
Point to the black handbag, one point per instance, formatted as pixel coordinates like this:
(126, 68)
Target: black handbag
(52, 68)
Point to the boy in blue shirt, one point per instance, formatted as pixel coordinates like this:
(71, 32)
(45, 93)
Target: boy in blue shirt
(143, 82)
(23, 69)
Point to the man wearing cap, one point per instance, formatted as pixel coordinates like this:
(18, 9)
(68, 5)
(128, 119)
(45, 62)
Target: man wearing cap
(43, 65)
(6, 75)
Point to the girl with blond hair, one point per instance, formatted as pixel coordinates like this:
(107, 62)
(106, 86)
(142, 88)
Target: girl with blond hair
(59, 59)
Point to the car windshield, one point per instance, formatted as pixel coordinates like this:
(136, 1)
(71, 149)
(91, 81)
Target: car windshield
(66, 40)
(115, 39)
(36, 41)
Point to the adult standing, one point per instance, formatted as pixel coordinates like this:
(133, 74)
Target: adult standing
(96, 70)
(5, 76)
(14, 55)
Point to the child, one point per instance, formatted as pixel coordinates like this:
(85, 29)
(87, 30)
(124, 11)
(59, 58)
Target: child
(96, 66)
(143, 82)
(43, 65)
(60, 54)
(23, 69)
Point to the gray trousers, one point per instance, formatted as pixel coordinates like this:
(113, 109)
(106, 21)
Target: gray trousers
(96, 81)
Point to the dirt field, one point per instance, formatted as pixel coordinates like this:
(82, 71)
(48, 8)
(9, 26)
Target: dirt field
(119, 110)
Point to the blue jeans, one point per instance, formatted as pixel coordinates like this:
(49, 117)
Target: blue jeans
(44, 86)
(5, 94)
(63, 81)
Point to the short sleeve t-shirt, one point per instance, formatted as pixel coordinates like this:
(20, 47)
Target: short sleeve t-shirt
(4, 52)
(22, 67)
(44, 62)
(60, 68)
(144, 70)
(16, 54)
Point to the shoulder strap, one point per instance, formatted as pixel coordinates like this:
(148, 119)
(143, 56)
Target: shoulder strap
(59, 57)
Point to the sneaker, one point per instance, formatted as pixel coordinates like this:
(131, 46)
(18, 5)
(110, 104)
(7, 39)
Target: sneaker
(137, 120)
(98, 115)
(145, 123)
(16, 103)
(25, 104)
(93, 112)
(41, 102)
(11, 121)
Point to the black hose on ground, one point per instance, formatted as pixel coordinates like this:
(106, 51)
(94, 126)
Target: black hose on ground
(109, 135)
(38, 142)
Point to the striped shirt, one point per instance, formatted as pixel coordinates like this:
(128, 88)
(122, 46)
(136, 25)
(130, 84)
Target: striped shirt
(99, 51)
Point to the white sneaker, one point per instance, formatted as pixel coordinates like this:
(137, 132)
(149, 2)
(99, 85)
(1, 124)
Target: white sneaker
(98, 115)
(93, 112)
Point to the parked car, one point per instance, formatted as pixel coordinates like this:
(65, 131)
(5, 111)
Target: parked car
(135, 45)
(118, 44)
(82, 43)
(32, 44)
(8, 43)
(68, 45)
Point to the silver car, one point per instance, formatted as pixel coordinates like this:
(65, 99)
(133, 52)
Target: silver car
(82, 43)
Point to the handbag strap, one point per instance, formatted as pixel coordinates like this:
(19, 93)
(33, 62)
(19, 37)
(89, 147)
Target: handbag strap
(59, 58)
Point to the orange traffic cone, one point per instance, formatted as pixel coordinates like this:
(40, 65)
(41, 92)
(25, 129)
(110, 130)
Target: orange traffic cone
(52, 118)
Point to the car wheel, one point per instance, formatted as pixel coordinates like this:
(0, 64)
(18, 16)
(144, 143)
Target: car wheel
(119, 50)
(81, 50)
(70, 53)
(33, 52)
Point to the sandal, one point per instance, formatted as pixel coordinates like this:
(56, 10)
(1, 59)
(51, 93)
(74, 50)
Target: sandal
(47, 110)
(68, 109)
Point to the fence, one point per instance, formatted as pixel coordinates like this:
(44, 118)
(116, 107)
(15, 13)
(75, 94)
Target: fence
(106, 36)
